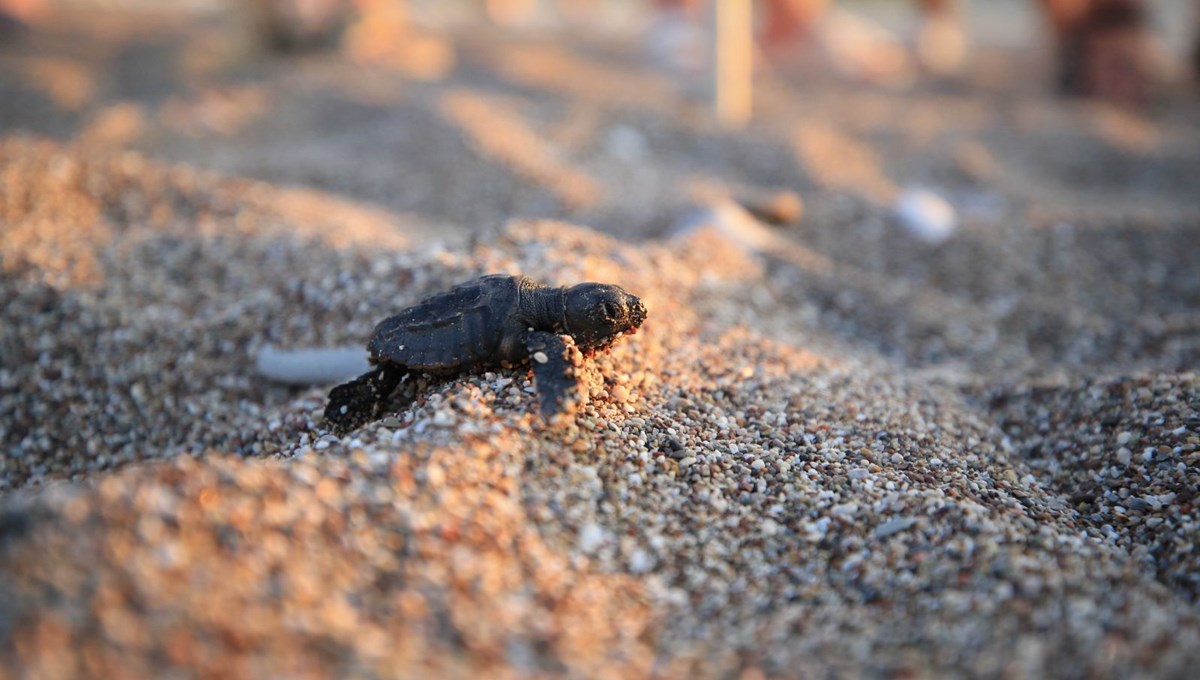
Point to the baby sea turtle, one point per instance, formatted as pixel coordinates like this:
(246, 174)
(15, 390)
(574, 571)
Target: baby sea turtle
(487, 322)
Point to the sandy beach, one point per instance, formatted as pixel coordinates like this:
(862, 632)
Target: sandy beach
(833, 449)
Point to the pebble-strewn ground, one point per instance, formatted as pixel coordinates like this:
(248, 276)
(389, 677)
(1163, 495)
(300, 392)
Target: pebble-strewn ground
(845, 453)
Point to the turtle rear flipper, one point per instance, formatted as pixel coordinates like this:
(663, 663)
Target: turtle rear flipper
(554, 374)
(360, 401)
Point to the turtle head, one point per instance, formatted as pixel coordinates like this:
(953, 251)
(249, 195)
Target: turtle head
(596, 313)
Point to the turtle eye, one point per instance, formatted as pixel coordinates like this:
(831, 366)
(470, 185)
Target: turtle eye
(610, 310)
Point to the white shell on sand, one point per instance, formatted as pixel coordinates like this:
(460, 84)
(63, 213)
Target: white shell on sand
(925, 215)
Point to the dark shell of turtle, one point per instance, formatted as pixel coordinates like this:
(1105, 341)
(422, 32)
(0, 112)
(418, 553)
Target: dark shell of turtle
(450, 330)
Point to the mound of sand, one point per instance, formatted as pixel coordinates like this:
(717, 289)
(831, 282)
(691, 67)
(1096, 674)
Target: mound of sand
(741, 492)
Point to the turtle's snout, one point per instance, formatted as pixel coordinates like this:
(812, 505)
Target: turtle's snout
(637, 312)
(626, 313)
(598, 313)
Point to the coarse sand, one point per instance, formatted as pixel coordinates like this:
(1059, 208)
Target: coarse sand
(742, 492)
(831, 451)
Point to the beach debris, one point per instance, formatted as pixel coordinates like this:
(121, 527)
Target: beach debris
(490, 321)
(777, 208)
(925, 215)
(310, 366)
(732, 222)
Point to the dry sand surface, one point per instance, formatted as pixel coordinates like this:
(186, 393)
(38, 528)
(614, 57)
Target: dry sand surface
(838, 453)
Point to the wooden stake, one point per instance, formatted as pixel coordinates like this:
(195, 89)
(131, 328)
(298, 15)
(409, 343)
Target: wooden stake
(732, 60)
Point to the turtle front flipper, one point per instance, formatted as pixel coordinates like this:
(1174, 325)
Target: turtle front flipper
(553, 372)
(358, 402)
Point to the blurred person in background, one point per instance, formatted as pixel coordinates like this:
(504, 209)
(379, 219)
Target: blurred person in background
(296, 25)
(16, 14)
(1103, 48)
